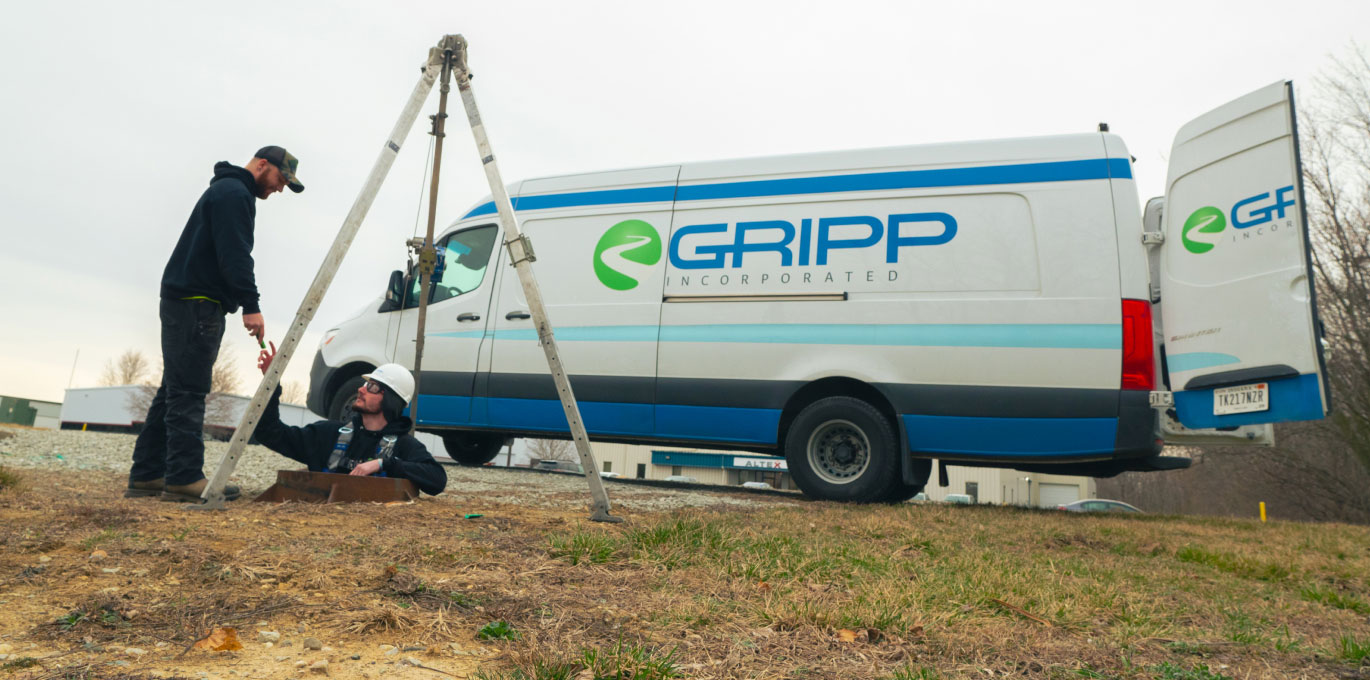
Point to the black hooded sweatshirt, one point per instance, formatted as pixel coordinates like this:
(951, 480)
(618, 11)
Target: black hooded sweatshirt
(313, 444)
(213, 258)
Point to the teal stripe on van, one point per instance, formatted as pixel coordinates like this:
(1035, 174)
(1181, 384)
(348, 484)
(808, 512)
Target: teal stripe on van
(1049, 336)
(1193, 361)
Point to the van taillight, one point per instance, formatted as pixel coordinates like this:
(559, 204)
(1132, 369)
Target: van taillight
(1139, 360)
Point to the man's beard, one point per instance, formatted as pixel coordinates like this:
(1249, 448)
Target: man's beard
(263, 190)
(359, 406)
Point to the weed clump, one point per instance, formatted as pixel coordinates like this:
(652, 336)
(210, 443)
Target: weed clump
(497, 630)
(9, 480)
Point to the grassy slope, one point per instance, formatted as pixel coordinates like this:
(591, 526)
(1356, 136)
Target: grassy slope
(815, 590)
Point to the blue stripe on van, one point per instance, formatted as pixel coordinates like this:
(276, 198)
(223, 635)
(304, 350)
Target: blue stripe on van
(1061, 336)
(717, 423)
(962, 436)
(1057, 171)
(583, 198)
(1296, 398)
(992, 437)
(1060, 171)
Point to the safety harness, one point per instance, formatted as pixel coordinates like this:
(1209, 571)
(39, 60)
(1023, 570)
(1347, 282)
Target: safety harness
(339, 462)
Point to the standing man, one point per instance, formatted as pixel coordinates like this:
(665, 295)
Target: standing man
(209, 275)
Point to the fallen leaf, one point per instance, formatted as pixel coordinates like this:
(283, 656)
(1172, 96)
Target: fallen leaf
(763, 586)
(846, 635)
(221, 640)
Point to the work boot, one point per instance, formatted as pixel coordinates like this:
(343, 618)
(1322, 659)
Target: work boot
(190, 493)
(152, 487)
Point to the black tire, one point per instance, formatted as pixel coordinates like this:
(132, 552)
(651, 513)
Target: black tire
(338, 406)
(922, 471)
(843, 449)
(473, 449)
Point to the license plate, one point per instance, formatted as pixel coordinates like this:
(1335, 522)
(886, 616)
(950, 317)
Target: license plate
(1241, 399)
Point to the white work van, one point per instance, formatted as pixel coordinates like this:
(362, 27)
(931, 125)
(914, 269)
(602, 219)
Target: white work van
(996, 303)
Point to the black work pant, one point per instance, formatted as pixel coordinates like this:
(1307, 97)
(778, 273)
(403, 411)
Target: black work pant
(171, 444)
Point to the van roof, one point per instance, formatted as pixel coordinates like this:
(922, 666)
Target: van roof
(654, 184)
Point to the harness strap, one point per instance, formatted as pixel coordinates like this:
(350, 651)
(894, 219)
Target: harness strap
(336, 460)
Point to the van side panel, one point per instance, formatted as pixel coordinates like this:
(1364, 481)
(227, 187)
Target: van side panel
(995, 282)
(599, 245)
(976, 286)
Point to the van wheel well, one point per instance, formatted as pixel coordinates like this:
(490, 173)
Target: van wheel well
(342, 375)
(832, 387)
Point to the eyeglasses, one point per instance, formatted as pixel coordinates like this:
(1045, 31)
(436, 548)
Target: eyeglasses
(372, 386)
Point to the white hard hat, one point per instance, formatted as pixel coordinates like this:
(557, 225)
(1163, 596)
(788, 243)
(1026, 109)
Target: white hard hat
(396, 377)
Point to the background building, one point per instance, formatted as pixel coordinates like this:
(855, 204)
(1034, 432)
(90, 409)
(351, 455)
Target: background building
(29, 412)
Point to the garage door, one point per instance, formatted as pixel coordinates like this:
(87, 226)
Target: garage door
(1052, 495)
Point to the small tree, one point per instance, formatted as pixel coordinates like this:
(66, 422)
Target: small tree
(551, 449)
(294, 392)
(223, 382)
(1336, 143)
(130, 368)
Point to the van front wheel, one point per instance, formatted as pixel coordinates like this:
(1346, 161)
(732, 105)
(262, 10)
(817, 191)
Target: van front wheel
(339, 407)
(843, 449)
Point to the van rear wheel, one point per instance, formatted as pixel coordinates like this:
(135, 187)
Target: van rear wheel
(473, 449)
(843, 449)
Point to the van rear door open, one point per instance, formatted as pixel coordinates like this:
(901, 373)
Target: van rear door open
(1241, 334)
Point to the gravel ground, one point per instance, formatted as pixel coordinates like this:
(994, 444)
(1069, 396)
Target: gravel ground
(256, 470)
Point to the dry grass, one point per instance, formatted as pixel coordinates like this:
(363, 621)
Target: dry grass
(820, 591)
(9, 480)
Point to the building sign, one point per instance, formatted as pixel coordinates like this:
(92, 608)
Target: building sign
(759, 463)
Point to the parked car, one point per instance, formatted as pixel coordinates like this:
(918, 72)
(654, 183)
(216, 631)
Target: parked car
(958, 499)
(560, 466)
(610, 475)
(683, 479)
(756, 485)
(1099, 505)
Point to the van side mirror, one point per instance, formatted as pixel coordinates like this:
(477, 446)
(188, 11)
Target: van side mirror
(394, 292)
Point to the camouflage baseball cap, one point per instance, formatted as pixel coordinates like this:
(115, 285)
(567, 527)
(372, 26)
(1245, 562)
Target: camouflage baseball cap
(284, 162)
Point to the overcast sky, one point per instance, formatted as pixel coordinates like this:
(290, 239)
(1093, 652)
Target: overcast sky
(114, 113)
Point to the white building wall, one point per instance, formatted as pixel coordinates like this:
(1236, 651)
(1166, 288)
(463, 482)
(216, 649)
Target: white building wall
(1003, 487)
(49, 414)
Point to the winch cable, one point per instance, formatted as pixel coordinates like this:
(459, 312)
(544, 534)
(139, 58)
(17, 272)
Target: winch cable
(418, 213)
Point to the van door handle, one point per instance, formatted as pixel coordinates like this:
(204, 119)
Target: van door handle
(518, 315)
(468, 316)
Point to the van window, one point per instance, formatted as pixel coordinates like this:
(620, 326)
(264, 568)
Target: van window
(466, 256)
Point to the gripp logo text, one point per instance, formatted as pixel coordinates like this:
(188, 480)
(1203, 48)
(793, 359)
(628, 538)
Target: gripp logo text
(1249, 215)
(629, 248)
